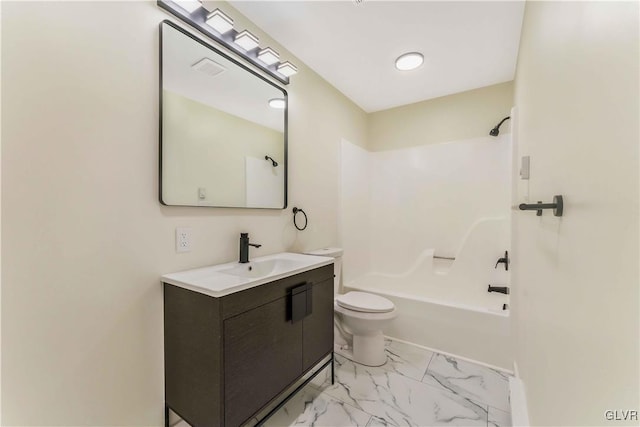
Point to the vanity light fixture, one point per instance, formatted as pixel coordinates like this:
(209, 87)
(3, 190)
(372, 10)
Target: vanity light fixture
(189, 5)
(277, 103)
(409, 61)
(268, 56)
(286, 68)
(218, 26)
(246, 40)
(219, 21)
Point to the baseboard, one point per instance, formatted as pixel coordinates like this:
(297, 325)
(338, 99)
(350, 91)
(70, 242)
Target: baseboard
(446, 353)
(518, 403)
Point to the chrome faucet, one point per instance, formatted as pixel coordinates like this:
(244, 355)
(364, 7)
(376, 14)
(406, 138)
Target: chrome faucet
(244, 247)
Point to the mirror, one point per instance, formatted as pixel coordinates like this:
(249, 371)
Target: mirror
(223, 128)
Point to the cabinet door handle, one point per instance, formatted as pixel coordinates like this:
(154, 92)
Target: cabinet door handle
(298, 303)
(309, 299)
(301, 301)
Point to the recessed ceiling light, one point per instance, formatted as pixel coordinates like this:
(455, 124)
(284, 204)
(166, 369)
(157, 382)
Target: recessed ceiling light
(409, 61)
(277, 103)
(268, 56)
(286, 68)
(246, 40)
(189, 5)
(219, 21)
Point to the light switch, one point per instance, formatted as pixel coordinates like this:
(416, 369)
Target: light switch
(202, 193)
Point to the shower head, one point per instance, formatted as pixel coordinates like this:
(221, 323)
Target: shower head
(496, 130)
(273, 162)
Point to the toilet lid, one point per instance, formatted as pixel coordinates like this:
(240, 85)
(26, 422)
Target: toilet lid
(365, 302)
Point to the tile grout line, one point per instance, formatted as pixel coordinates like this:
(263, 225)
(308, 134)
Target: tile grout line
(488, 415)
(433, 354)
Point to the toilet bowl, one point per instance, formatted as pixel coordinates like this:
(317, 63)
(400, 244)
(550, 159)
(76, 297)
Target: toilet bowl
(359, 319)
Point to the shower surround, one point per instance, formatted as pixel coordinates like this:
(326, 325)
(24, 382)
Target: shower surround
(404, 209)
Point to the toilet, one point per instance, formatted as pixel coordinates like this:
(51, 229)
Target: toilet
(359, 318)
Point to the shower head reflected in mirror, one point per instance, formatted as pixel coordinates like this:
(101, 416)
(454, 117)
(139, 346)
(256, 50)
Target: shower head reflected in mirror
(273, 162)
(496, 130)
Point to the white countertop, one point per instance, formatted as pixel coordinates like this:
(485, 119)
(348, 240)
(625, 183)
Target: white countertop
(213, 281)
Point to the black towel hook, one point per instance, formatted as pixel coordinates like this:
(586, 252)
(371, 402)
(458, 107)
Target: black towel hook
(306, 221)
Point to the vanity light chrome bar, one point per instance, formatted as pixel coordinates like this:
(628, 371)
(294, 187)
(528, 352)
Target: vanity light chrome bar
(219, 27)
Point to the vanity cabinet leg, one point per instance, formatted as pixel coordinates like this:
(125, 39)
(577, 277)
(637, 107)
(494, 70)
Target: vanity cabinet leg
(333, 369)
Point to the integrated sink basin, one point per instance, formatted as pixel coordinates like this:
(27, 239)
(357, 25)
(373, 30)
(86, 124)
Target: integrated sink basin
(224, 279)
(255, 269)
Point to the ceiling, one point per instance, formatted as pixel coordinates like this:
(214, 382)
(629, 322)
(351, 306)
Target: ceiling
(353, 46)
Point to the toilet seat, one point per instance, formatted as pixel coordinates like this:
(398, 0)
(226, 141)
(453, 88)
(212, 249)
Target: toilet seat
(364, 302)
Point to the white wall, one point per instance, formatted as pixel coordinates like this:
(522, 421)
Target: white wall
(575, 278)
(355, 211)
(0, 219)
(84, 238)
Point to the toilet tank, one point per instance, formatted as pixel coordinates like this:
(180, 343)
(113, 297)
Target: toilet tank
(336, 254)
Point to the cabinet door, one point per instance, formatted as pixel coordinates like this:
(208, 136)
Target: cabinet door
(262, 356)
(318, 326)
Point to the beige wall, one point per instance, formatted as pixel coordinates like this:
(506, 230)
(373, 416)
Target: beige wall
(465, 115)
(84, 238)
(575, 278)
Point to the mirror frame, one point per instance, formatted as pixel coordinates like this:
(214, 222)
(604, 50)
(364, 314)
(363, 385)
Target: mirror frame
(245, 68)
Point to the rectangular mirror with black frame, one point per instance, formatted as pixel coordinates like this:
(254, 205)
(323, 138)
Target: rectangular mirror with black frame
(223, 128)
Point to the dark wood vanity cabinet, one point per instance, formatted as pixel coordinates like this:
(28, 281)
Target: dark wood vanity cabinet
(227, 358)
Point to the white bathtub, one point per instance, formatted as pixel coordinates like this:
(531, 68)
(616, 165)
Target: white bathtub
(445, 306)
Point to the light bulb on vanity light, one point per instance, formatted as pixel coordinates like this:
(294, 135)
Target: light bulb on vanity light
(246, 40)
(287, 69)
(268, 56)
(219, 21)
(189, 5)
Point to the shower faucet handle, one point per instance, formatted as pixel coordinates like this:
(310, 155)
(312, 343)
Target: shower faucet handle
(504, 261)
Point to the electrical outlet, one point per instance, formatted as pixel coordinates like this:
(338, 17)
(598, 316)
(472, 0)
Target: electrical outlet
(183, 239)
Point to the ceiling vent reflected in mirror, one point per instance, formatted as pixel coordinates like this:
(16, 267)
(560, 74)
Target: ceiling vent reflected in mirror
(208, 67)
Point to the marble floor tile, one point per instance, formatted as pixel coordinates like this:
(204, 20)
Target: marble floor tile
(406, 359)
(478, 383)
(377, 422)
(398, 400)
(498, 418)
(311, 407)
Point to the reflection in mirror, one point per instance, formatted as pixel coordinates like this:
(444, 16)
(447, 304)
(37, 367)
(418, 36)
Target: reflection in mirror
(223, 133)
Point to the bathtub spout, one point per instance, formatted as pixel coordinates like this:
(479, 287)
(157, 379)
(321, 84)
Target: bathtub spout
(500, 289)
